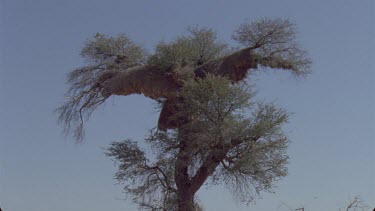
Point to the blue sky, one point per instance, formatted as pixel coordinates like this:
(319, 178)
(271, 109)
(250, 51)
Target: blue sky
(331, 128)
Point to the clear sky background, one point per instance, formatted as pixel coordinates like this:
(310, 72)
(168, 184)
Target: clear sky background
(331, 128)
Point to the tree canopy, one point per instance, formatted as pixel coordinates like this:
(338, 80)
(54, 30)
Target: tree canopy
(247, 153)
(210, 128)
(117, 66)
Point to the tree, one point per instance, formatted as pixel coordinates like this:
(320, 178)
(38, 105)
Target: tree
(217, 141)
(201, 132)
(356, 204)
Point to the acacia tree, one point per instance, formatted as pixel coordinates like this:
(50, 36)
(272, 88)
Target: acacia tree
(201, 131)
(217, 141)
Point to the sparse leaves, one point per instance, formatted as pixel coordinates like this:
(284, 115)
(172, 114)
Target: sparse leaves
(247, 153)
(150, 185)
(106, 57)
(274, 42)
(214, 98)
(118, 51)
(356, 204)
(196, 48)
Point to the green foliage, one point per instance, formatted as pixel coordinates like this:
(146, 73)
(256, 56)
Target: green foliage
(213, 97)
(150, 185)
(268, 34)
(268, 43)
(194, 49)
(256, 154)
(251, 149)
(275, 45)
(106, 57)
(119, 50)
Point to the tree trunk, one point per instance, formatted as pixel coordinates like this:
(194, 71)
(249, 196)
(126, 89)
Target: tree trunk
(184, 193)
(183, 183)
(187, 186)
(182, 179)
(185, 200)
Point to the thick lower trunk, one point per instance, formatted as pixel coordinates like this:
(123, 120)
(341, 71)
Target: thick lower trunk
(185, 200)
(183, 183)
(187, 186)
(182, 179)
